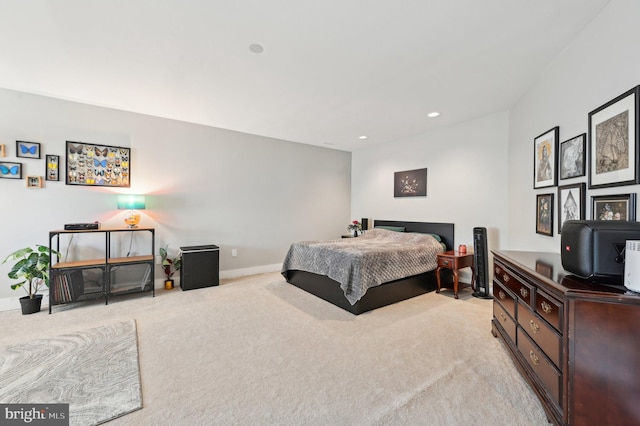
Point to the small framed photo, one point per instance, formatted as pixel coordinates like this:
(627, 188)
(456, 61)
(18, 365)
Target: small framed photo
(545, 153)
(544, 214)
(53, 167)
(614, 207)
(10, 170)
(28, 149)
(573, 157)
(571, 203)
(34, 181)
(614, 147)
(3, 153)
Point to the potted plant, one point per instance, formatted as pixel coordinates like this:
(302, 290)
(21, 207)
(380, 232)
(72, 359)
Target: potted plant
(32, 267)
(170, 266)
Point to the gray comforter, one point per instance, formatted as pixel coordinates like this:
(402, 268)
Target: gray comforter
(374, 258)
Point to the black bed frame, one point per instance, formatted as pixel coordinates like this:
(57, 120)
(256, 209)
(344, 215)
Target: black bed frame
(386, 293)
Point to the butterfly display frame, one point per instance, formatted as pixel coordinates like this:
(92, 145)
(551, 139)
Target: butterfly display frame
(10, 170)
(34, 181)
(52, 171)
(26, 149)
(97, 165)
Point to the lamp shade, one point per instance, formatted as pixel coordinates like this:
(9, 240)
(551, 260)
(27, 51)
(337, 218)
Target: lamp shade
(131, 202)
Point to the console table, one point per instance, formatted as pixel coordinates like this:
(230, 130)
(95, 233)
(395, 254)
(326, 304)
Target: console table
(111, 274)
(575, 342)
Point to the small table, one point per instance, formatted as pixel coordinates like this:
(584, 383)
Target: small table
(455, 260)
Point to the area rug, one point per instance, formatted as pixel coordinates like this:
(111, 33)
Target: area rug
(95, 371)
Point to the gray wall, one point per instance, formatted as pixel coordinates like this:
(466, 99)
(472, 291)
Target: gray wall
(205, 185)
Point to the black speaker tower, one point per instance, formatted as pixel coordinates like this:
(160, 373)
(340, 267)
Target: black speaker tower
(480, 260)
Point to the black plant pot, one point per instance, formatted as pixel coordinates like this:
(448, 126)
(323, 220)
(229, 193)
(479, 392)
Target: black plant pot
(29, 305)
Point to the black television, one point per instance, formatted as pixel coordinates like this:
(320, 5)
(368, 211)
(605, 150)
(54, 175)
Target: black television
(594, 249)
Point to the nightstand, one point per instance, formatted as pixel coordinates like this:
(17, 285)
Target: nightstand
(455, 261)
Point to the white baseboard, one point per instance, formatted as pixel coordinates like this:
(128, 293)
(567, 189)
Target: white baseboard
(12, 303)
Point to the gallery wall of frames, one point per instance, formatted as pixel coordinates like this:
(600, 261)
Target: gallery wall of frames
(86, 164)
(607, 155)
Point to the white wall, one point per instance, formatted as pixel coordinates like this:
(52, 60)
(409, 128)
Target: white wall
(600, 64)
(466, 179)
(205, 185)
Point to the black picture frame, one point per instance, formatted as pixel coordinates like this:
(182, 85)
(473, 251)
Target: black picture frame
(545, 159)
(544, 214)
(97, 165)
(52, 167)
(26, 149)
(571, 203)
(410, 183)
(614, 207)
(614, 144)
(573, 154)
(10, 170)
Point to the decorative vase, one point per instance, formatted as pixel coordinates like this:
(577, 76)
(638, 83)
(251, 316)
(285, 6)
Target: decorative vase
(31, 305)
(168, 284)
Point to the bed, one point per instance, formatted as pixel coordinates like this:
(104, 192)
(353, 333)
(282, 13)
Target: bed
(378, 295)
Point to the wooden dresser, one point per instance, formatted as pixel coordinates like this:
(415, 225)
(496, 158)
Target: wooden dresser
(577, 343)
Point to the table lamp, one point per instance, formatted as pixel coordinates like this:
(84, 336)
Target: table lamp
(132, 203)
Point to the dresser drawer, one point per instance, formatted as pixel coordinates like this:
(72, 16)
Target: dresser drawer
(544, 335)
(507, 323)
(505, 298)
(547, 373)
(549, 309)
(521, 289)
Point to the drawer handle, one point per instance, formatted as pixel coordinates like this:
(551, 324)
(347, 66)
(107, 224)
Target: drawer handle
(534, 327)
(524, 292)
(503, 317)
(506, 278)
(501, 295)
(534, 358)
(498, 270)
(546, 307)
(445, 262)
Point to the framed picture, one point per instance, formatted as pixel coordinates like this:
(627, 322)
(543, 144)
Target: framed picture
(613, 142)
(10, 170)
(3, 153)
(544, 214)
(98, 165)
(571, 203)
(545, 159)
(53, 167)
(614, 207)
(34, 181)
(573, 157)
(410, 183)
(28, 149)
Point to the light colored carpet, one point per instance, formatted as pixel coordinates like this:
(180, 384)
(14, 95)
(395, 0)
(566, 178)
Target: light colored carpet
(95, 371)
(259, 351)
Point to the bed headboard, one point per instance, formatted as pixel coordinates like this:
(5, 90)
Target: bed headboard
(445, 230)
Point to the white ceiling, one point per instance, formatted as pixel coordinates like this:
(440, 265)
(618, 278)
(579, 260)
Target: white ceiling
(331, 70)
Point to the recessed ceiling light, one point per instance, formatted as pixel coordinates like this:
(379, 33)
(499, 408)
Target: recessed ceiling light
(256, 48)
(363, 137)
(433, 114)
